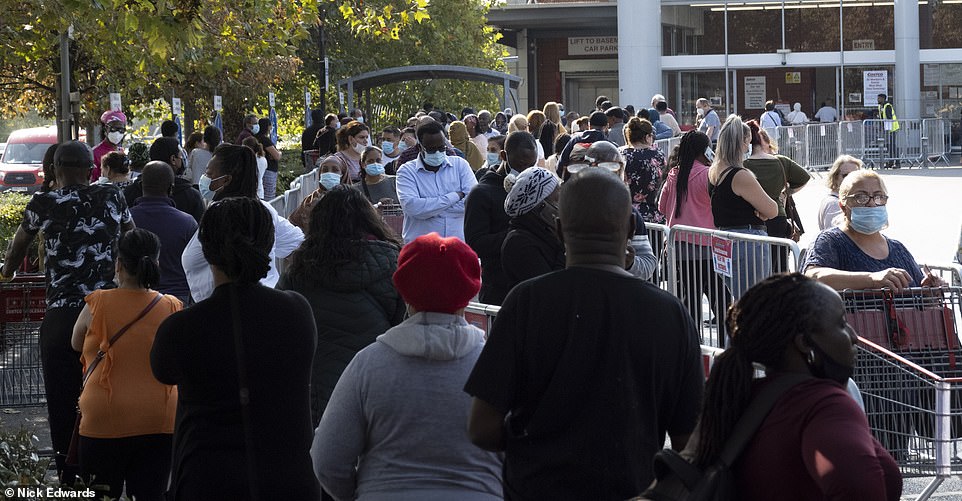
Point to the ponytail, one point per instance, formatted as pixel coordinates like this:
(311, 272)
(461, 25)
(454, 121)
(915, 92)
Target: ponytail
(139, 252)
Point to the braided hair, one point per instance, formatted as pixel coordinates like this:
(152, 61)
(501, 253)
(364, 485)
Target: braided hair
(338, 221)
(139, 251)
(240, 163)
(762, 324)
(237, 236)
(692, 146)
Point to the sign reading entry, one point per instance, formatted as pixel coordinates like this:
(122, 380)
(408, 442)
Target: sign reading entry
(589, 46)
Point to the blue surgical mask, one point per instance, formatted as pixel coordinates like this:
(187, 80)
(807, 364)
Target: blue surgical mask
(387, 147)
(204, 185)
(256, 128)
(494, 158)
(402, 146)
(374, 169)
(869, 220)
(329, 180)
(434, 159)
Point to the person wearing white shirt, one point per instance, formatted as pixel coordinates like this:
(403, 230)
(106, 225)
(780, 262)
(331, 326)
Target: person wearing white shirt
(232, 173)
(826, 113)
(431, 188)
(668, 118)
(770, 119)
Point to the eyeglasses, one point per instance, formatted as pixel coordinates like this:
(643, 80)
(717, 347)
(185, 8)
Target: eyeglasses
(612, 166)
(863, 198)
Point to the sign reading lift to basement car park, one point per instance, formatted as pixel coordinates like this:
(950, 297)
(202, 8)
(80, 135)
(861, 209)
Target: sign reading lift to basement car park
(591, 46)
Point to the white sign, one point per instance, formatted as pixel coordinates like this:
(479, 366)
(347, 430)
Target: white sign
(865, 44)
(589, 46)
(218, 103)
(270, 98)
(115, 103)
(873, 84)
(721, 254)
(175, 105)
(307, 99)
(755, 93)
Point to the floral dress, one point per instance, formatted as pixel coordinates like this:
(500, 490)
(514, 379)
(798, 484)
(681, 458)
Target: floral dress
(644, 169)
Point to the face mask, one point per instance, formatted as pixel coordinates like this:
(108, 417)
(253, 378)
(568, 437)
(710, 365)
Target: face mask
(401, 147)
(329, 180)
(337, 125)
(387, 147)
(256, 128)
(204, 185)
(360, 147)
(826, 367)
(115, 137)
(374, 169)
(869, 220)
(434, 159)
(749, 152)
(494, 158)
(700, 112)
(360, 119)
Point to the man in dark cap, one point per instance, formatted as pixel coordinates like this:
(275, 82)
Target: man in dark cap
(586, 369)
(598, 122)
(81, 224)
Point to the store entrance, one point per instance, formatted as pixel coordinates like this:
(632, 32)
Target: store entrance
(581, 91)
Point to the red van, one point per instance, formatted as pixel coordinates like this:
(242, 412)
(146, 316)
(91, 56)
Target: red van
(21, 166)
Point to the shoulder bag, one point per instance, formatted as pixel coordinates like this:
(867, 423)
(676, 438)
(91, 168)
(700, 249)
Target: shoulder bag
(72, 450)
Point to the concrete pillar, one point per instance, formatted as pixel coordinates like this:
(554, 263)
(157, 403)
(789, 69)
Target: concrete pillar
(523, 65)
(908, 102)
(639, 52)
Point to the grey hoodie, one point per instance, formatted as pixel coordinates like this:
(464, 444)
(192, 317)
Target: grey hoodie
(395, 427)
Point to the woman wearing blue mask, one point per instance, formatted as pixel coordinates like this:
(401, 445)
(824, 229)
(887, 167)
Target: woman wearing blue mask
(331, 172)
(855, 255)
(377, 186)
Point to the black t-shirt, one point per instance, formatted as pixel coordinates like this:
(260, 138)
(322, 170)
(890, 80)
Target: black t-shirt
(81, 225)
(266, 142)
(592, 369)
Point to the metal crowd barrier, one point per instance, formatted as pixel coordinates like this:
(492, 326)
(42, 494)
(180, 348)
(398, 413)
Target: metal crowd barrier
(821, 145)
(657, 236)
(951, 273)
(746, 258)
(666, 146)
(909, 371)
(791, 142)
(916, 142)
(24, 304)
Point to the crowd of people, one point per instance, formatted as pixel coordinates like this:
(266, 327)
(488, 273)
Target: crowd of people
(352, 373)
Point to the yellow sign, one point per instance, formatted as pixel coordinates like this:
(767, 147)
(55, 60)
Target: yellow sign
(793, 77)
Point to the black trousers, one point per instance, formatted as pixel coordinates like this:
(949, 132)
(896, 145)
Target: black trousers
(141, 462)
(697, 277)
(62, 376)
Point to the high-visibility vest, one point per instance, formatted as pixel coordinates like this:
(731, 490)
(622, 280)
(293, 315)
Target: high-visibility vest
(881, 115)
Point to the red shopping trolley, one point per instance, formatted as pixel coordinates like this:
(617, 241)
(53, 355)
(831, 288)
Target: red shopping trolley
(22, 307)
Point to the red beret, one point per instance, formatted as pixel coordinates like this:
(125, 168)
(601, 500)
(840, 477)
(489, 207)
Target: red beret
(437, 274)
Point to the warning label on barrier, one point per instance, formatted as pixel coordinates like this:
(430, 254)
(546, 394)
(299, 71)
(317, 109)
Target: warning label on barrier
(721, 255)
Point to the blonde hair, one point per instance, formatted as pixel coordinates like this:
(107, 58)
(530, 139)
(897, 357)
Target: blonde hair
(831, 180)
(552, 112)
(731, 141)
(860, 175)
(535, 120)
(518, 123)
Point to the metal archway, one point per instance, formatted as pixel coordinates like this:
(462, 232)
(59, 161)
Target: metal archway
(377, 78)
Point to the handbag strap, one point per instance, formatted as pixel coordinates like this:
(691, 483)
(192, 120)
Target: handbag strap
(113, 339)
(755, 414)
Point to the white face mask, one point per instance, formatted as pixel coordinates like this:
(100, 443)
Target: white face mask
(359, 147)
(115, 137)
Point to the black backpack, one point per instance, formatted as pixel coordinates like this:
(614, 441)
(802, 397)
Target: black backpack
(677, 479)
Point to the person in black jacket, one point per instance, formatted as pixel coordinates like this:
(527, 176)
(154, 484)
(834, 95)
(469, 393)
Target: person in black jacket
(486, 223)
(325, 139)
(344, 269)
(532, 247)
(186, 198)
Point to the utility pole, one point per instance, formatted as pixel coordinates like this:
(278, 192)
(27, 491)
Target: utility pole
(63, 114)
(322, 57)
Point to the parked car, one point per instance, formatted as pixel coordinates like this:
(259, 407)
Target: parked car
(21, 162)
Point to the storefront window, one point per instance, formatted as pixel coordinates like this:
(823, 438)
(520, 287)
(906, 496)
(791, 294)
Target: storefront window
(811, 29)
(685, 87)
(855, 91)
(866, 28)
(690, 31)
(939, 25)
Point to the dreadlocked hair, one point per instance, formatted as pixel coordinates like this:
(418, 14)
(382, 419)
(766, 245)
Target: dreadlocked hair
(762, 324)
(139, 250)
(692, 146)
(240, 163)
(340, 219)
(237, 236)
